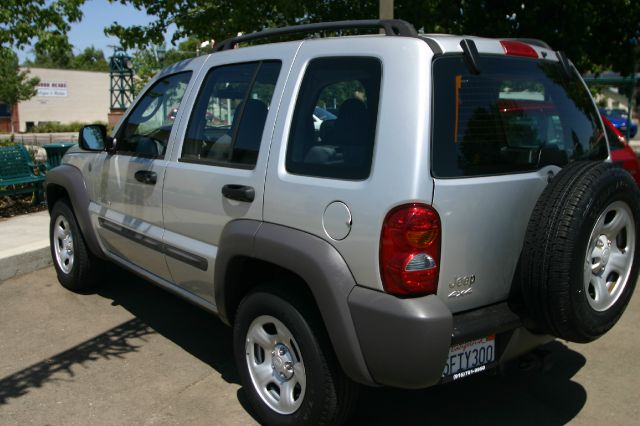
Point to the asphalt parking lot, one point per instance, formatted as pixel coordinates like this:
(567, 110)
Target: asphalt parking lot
(133, 354)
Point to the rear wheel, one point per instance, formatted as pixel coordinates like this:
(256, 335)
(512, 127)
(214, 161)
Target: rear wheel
(286, 364)
(77, 268)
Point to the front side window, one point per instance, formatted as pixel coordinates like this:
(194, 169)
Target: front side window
(147, 128)
(334, 123)
(229, 116)
(516, 115)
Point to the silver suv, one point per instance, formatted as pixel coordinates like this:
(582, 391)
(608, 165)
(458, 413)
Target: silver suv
(450, 209)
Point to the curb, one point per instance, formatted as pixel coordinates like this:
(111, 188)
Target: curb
(28, 260)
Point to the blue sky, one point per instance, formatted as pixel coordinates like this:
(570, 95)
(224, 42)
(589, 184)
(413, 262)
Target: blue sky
(98, 14)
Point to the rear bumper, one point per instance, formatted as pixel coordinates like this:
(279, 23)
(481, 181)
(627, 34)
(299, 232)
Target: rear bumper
(405, 342)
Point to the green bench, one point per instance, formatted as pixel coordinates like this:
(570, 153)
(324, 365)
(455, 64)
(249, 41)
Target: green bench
(55, 151)
(18, 174)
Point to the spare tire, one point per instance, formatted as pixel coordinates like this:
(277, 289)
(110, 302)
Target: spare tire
(579, 262)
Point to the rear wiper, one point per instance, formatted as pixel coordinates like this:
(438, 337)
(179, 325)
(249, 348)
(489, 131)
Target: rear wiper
(471, 55)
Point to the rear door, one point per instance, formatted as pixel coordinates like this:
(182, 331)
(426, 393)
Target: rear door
(220, 164)
(498, 137)
(339, 181)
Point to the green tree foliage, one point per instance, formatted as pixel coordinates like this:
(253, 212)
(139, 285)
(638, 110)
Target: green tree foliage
(15, 85)
(90, 59)
(147, 62)
(54, 56)
(62, 57)
(594, 33)
(44, 25)
(47, 22)
(206, 19)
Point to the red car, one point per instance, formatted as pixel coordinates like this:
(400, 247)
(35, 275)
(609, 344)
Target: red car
(621, 152)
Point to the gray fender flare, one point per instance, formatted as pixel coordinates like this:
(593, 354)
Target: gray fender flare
(317, 262)
(71, 179)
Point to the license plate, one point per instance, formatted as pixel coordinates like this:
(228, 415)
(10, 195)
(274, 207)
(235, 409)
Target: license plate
(470, 358)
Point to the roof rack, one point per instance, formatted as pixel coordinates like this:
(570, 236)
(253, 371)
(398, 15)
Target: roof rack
(391, 27)
(532, 41)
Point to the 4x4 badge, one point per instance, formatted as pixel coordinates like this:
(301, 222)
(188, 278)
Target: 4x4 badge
(461, 286)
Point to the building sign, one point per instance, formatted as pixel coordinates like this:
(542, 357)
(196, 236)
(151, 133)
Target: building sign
(52, 88)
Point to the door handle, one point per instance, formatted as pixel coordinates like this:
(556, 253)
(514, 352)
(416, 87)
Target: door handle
(146, 176)
(239, 192)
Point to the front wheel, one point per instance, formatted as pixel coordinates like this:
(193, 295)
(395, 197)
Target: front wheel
(77, 268)
(286, 364)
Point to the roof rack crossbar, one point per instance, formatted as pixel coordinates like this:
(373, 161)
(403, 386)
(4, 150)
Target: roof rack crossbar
(391, 27)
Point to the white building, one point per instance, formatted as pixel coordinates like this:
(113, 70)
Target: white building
(65, 96)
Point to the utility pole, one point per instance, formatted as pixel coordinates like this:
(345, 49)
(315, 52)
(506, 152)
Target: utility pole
(386, 9)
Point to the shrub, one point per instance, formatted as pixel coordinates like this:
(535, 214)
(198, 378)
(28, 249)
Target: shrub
(55, 127)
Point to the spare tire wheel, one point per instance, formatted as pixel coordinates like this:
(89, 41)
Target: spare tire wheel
(579, 262)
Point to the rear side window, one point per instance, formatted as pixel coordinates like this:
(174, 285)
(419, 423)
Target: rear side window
(517, 115)
(229, 116)
(334, 122)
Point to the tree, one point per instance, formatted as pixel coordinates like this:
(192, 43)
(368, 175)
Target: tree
(594, 33)
(146, 62)
(206, 20)
(61, 56)
(90, 59)
(15, 85)
(54, 56)
(23, 21)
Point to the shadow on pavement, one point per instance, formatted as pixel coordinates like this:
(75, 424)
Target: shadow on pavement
(201, 334)
(156, 311)
(114, 343)
(537, 396)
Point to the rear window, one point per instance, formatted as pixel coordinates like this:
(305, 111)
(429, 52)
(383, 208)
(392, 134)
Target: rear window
(517, 115)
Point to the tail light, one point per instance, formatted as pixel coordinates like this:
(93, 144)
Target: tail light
(517, 48)
(410, 250)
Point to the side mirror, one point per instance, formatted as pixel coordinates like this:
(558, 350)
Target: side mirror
(94, 138)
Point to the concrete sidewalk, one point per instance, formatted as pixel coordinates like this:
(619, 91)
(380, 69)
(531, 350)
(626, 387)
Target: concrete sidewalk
(24, 244)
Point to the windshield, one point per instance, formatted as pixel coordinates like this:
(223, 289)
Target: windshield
(614, 113)
(517, 115)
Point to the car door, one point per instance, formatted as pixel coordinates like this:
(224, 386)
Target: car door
(219, 168)
(498, 139)
(128, 182)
